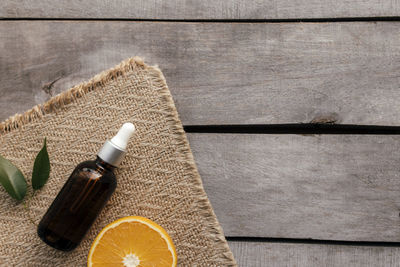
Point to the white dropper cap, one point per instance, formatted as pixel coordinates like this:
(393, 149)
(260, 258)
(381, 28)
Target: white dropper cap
(122, 137)
(113, 150)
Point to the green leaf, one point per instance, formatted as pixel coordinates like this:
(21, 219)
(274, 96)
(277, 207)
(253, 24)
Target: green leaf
(12, 179)
(41, 168)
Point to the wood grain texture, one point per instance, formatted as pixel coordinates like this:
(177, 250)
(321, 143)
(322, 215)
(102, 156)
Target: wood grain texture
(329, 187)
(219, 73)
(257, 254)
(205, 9)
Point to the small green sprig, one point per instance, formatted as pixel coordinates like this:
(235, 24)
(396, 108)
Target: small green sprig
(41, 168)
(13, 181)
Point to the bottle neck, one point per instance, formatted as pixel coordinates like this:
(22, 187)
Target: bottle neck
(104, 165)
(111, 153)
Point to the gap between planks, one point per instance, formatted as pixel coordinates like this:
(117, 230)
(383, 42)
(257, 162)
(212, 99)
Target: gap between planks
(251, 239)
(299, 128)
(297, 20)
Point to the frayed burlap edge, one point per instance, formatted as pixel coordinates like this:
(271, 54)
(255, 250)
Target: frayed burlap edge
(158, 80)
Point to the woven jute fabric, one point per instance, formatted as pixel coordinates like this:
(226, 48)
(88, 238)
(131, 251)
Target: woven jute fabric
(158, 178)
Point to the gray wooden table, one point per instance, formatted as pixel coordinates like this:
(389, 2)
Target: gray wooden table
(285, 199)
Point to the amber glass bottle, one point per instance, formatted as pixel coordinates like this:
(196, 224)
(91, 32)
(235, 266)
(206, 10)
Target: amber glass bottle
(84, 195)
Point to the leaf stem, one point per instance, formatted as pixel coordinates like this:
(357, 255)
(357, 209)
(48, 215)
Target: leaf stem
(26, 205)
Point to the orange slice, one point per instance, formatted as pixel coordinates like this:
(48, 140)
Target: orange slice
(132, 242)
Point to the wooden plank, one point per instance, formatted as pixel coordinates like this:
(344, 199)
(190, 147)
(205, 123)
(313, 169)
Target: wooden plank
(257, 254)
(219, 73)
(329, 187)
(205, 9)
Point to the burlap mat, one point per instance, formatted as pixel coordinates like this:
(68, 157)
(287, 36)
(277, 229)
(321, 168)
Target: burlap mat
(158, 178)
